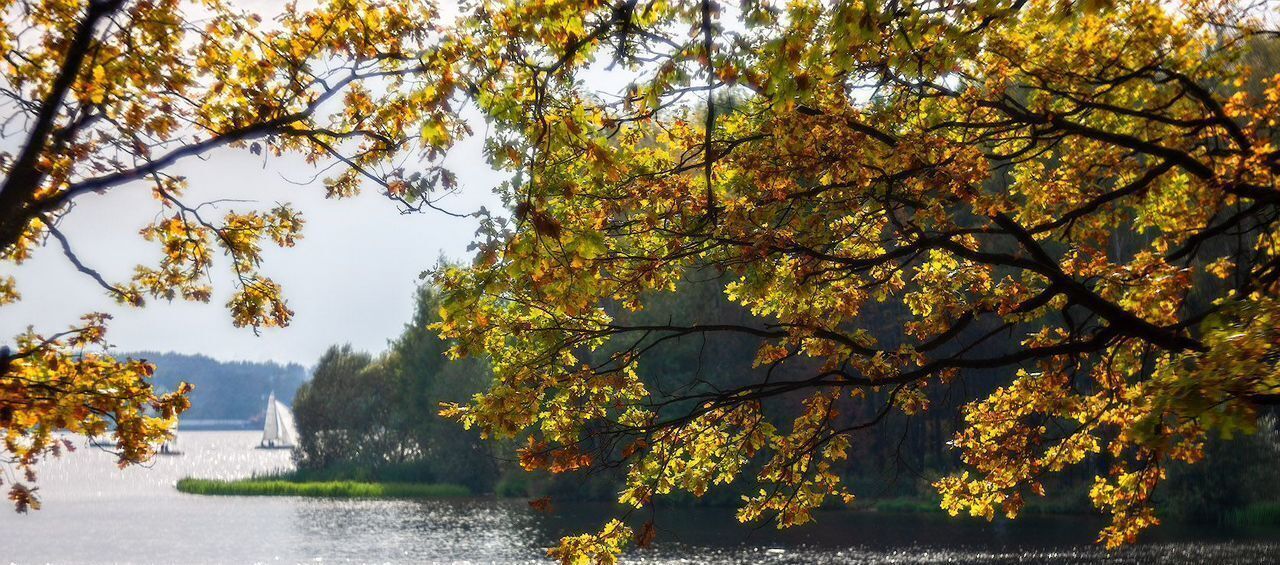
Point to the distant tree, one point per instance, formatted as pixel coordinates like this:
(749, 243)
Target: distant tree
(1079, 197)
(1235, 473)
(429, 378)
(372, 414)
(343, 413)
(100, 96)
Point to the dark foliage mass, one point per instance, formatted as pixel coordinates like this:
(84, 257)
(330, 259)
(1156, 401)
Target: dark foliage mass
(370, 417)
(374, 417)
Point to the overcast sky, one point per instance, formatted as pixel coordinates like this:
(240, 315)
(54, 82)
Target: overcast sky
(351, 279)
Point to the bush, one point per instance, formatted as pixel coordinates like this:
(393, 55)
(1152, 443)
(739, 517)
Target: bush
(513, 485)
(904, 505)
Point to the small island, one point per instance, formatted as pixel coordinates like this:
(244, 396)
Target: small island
(283, 485)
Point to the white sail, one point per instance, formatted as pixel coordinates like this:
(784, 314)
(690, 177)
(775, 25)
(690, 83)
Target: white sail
(271, 429)
(284, 418)
(278, 429)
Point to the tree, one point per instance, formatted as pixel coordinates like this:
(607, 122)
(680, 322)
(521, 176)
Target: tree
(1079, 194)
(344, 413)
(101, 96)
(362, 416)
(426, 378)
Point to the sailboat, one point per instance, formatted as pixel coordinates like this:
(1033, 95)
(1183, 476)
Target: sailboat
(278, 431)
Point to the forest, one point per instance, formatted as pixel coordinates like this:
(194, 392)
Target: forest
(224, 390)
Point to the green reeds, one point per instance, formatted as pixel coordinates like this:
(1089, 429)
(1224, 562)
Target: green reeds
(325, 489)
(1256, 514)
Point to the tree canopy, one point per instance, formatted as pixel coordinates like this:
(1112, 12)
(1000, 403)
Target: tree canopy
(103, 96)
(1079, 192)
(363, 416)
(1083, 193)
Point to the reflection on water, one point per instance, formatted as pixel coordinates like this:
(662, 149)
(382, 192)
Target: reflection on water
(96, 513)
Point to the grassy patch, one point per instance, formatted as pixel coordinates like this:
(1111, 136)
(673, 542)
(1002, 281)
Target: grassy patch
(325, 489)
(906, 505)
(1256, 514)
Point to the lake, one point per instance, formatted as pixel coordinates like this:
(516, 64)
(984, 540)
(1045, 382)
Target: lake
(96, 513)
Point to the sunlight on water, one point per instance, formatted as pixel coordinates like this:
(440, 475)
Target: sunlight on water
(96, 513)
(91, 471)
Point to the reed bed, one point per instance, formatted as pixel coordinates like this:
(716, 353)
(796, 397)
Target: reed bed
(324, 489)
(1256, 514)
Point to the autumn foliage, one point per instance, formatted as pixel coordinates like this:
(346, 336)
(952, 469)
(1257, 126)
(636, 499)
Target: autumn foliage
(58, 384)
(1080, 193)
(101, 96)
(1083, 193)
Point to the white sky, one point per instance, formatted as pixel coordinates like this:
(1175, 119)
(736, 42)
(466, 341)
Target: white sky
(350, 279)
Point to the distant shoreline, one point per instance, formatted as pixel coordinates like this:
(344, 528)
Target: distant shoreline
(216, 425)
(1259, 514)
(277, 486)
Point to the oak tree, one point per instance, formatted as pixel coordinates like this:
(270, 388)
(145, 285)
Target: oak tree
(1081, 193)
(105, 96)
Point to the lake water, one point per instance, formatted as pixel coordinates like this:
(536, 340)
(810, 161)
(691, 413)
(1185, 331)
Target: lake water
(96, 513)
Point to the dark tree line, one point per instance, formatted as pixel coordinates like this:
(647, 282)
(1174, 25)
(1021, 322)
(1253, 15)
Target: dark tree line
(225, 390)
(375, 417)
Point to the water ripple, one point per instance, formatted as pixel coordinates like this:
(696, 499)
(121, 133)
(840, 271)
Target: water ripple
(97, 513)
